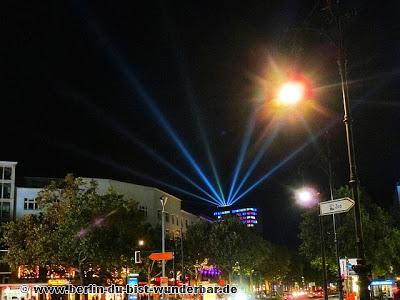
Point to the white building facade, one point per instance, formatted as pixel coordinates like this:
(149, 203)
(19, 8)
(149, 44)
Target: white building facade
(148, 199)
(7, 189)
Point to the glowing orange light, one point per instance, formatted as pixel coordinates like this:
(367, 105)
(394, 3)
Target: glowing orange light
(291, 93)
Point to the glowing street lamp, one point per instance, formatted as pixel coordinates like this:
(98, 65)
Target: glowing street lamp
(291, 93)
(141, 242)
(308, 197)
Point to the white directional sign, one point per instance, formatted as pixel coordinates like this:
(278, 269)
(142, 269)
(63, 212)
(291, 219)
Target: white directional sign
(336, 206)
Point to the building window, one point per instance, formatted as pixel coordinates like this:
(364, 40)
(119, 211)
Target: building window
(167, 217)
(143, 209)
(159, 214)
(172, 219)
(6, 173)
(30, 204)
(5, 211)
(186, 223)
(5, 190)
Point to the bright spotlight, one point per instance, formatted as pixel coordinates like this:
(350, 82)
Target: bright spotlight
(291, 93)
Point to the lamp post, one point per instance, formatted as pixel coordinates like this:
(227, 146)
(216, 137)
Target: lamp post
(362, 269)
(163, 200)
(308, 197)
(290, 94)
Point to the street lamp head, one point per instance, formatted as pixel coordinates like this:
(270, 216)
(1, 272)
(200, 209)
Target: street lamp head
(163, 200)
(141, 242)
(291, 93)
(306, 196)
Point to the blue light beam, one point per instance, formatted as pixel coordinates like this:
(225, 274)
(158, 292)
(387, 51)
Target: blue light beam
(128, 170)
(242, 153)
(133, 140)
(260, 153)
(284, 161)
(188, 88)
(150, 103)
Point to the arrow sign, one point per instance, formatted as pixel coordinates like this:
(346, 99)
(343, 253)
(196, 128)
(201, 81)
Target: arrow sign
(161, 256)
(336, 206)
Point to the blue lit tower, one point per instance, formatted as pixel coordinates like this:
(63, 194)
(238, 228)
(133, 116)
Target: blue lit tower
(247, 215)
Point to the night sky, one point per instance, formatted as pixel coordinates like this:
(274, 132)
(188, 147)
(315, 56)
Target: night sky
(73, 73)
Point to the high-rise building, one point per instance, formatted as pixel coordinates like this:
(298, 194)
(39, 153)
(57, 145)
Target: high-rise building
(7, 189)
(247, 215)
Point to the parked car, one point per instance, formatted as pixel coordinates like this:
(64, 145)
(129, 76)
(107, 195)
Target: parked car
(287, 296)
(317, 294)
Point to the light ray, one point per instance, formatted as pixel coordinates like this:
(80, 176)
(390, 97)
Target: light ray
(128, 170)
(133, 140)
(260, 153)
(188, 88)
(121, 64)
(242, 153)
(284, 161)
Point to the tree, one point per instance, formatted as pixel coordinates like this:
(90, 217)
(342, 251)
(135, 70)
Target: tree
(77, 227)
(229, 244)
(279, 266)
(381, 237)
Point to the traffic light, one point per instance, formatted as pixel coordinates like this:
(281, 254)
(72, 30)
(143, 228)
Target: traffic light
(138, 259)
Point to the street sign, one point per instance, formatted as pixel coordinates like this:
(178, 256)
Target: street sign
(161, 256)
(336, 206)
(346, 267)
(138, 259)
(164, 281)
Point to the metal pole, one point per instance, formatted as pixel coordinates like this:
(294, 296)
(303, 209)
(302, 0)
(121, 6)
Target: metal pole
(183, 275)
(362, 269)
(163, 202)
(173, 266)
(339, 280)
(325, 283)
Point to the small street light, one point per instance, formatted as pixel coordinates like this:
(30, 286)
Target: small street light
(141, 243)
(308, 197)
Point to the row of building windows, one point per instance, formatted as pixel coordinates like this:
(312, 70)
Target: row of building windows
(241, 211)
(174, 220)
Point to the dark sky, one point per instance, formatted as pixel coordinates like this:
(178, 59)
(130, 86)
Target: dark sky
(70, 103)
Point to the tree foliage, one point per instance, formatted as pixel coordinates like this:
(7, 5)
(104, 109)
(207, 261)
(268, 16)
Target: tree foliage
(381, 237)
(77, 227)
(228, 244)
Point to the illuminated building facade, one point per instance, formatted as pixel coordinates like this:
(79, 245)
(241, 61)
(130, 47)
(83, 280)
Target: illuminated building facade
(248, 215)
